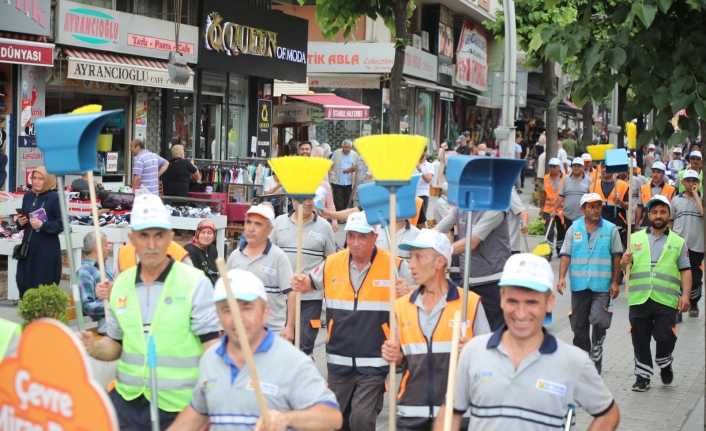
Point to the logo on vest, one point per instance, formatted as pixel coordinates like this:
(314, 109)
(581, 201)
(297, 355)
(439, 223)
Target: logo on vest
(381, 283)
(267, 270)
(267, 388)
(483, 376)
(337, 280)
(168, 300)
(316, 235)
(578, 237)
(638, 247)
(209, 384)
(122, 305)
(551, 387)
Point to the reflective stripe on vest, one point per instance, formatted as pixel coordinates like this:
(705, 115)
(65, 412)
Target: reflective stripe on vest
(550, 194)
(8, 331)
(421, 411)
(662, 283)
(127, 256)
(591, 269)
(178, 348)
(646, 191)
(619, 185)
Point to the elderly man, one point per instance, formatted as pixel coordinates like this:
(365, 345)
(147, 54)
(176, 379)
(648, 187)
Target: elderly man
(271, 265)
(344, 163)
(483, 150)
(148, 167)
(419, 315)
(356, 285)
(442, 207)
(165, 299)
(299, 400)
(89, 276)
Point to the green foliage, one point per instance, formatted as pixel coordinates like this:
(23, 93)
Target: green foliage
(334, 16)
(44, 301)
(537, 227)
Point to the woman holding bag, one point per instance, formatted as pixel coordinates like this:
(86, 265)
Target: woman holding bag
(41, 222)
(203, 251)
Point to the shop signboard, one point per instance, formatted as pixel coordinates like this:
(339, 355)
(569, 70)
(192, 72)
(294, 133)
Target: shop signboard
(253, 41)
(264, 128)
(108, 30)
(32, 108)
(141, 116)
(22, 52)
(26, 16)
(343, 81)
(117, 73)
(350, 113)
(472, 57)
(290, 114)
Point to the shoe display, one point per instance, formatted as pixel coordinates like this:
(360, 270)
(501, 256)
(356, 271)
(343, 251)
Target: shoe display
(641, 385)
(694, 310)
(667, 375)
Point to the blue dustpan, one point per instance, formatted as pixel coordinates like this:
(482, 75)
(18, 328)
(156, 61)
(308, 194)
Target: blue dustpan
(69, 141)
(482, 183)
(616, 161)
(375, 200)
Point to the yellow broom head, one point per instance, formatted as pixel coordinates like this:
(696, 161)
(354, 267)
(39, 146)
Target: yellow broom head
(300, 176)
(88, 109)
(391, 158)
(597, 152)
(631, 129)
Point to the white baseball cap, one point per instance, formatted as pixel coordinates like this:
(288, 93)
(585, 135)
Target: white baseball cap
(262, 211)
(244, 284)
(651, 147)
(586, 157)
(531, 272)
(429, 238)
(691, 174)
(658, 199)
(445, 187)
(554, 162)
(577, 161)
(358, 223)
(659, 166)
(148, 212)
(695, 153)
(676, 150)
(590, 197)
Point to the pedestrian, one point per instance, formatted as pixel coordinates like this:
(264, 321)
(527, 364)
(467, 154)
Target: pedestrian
(317, 243)
(10, 333)
(424, 345)
(695, 164)
(572, 190)
(525, 155)
(482, 151)
(676, 164)
(464, 144)
(362, 175)
(442, 207)
(129, 258)
(614, 194)
(305, 149)
(570, 145)
(344, 163)
(553, 182)
(202, 250)
(404, 233)
(688, 222)
(520, 182)
(148, 167)
(89, 276)
(292, 147)
(516, 214)
(635, 185)
(297, 396)
(328, 199)
(563, 158)
(588, 164)
(271, 265)
(426, 169)
(591, 254)
(356, 283)
(40, 222)
(176, 178)
(522, 377)
(656, 186)
(163, 298)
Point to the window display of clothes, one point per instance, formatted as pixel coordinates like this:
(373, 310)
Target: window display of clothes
(245, 170)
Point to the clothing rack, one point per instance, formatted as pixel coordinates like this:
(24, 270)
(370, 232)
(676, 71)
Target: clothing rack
(247, 171)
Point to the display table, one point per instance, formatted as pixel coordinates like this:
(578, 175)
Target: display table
(223, 197)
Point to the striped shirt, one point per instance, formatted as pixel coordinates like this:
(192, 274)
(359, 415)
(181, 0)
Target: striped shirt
(88, 276)
(147, 166)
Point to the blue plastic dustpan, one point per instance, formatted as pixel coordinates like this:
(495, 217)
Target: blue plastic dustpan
(616, 161)
(69, 141)
(375, 200)
(482, 183)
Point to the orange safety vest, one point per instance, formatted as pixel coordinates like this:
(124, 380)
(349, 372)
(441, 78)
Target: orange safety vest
(418, 202)
(646, 190)
(357, 320)
(622, 188)
(550, 194)
(127, 256)
(423, 386)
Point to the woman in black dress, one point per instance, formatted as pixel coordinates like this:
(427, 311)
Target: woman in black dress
(175, 180)
(43, 262)
(203, 251)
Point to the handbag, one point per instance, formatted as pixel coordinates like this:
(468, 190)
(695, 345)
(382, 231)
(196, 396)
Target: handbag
(21, 251)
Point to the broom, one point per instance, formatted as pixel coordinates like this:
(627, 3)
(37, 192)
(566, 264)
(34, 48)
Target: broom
(391, 159)
(543, 248)
(300, 176)
(453, 362)
(631, 130)
(597, 153)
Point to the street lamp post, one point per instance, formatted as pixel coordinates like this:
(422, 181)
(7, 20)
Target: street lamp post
(506, 132)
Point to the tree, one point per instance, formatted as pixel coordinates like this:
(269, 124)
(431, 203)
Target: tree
(334, 16)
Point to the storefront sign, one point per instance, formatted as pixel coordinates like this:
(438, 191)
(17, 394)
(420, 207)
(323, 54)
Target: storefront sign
(107, 30)
(472, 57)
(32, 103)
(32, 53)
(140, 115)
(343, 81)
(253, 41)
(346, 113)
(288, 114)
(264, 128)
(26, 16)
(420, 64)
(446, 95)
(446, 72)
(111, 162)
(123, 74)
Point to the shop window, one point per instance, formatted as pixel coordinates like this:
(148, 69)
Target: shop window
(423, 115)
(183, 122)
(159, 9)
(236, 136)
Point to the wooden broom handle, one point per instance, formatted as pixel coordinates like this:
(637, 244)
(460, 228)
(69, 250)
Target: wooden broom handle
(97, 230)
(629, 268)
(298, 301)
(549, 227)
(243, 338)
(393, 297)
(453, 363)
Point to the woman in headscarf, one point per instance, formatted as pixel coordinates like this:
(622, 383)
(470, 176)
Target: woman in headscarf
(41, 222)
(203, 251)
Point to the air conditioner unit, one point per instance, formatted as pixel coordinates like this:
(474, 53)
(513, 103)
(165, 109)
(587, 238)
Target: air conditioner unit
(415, 41)
(425, 41)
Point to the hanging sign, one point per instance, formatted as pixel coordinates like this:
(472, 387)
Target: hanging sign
(264, 128)
(472, 57)
(111, 164)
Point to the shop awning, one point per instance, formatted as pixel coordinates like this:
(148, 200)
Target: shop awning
(121, 69)
(444, 92)
(20, 48)
(335, 107)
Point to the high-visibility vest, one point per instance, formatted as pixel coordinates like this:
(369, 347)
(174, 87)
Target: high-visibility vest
(646, 190)
(608, 204)
(127, 256)
(682, 189)
(663, 282)
(423, 385)
(357, 319)
(550, 194)
(8, 332)
(418, 202)
(591, 269)
(178, 348)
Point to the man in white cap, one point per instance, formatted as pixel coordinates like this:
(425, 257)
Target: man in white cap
(521, 377)
(166, 299)
(575, 186)
(553, 182)
(676, 164)
(615, 194)
(587, 161)
(635, 186)
(591, 254)
(424, 344)
(660, 268)
(296, 393)
(688, 222)
(271, 265)
(695, 164)
(656, 186)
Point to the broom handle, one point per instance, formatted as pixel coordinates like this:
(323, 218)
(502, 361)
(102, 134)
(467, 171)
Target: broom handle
(627, 271)
(298, 303)
(467, 270)
(97, 230)
(549, 228)
(393, 297)
(453, 362)
(387, 232)
(243, 337)
(70, 254)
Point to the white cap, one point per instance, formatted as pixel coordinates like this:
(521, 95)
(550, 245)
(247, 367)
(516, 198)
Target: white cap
(148, 212)
(590, 197)
(695, 153)
(358, 223)
(659, 165)
(577, 161)
(651, 147)
(658, 199)
(586, 157)
(676, 150)
(429, 238)
(262, 211)
(531, 272)
(691, 174)
(244, 284)
(445, 187)
(554, 162)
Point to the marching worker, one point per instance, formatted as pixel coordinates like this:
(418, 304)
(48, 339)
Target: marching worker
(657, 186)
(521, 377)
(614, 195)
(688, 223)
(128, 258)
(294, 390)
(635, 185)
(553, 182)
(426, 344)
(660, 268)
(695, 164)
(405, 233)
(676, 164)
(591, 253)
(10, 333)
(442, 207)
(356, 283)
(317, 243)
(572, 189)
(587, 162)
(160, 297)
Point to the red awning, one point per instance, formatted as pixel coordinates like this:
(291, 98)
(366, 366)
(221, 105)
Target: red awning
(25, 49)
(335, 108)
